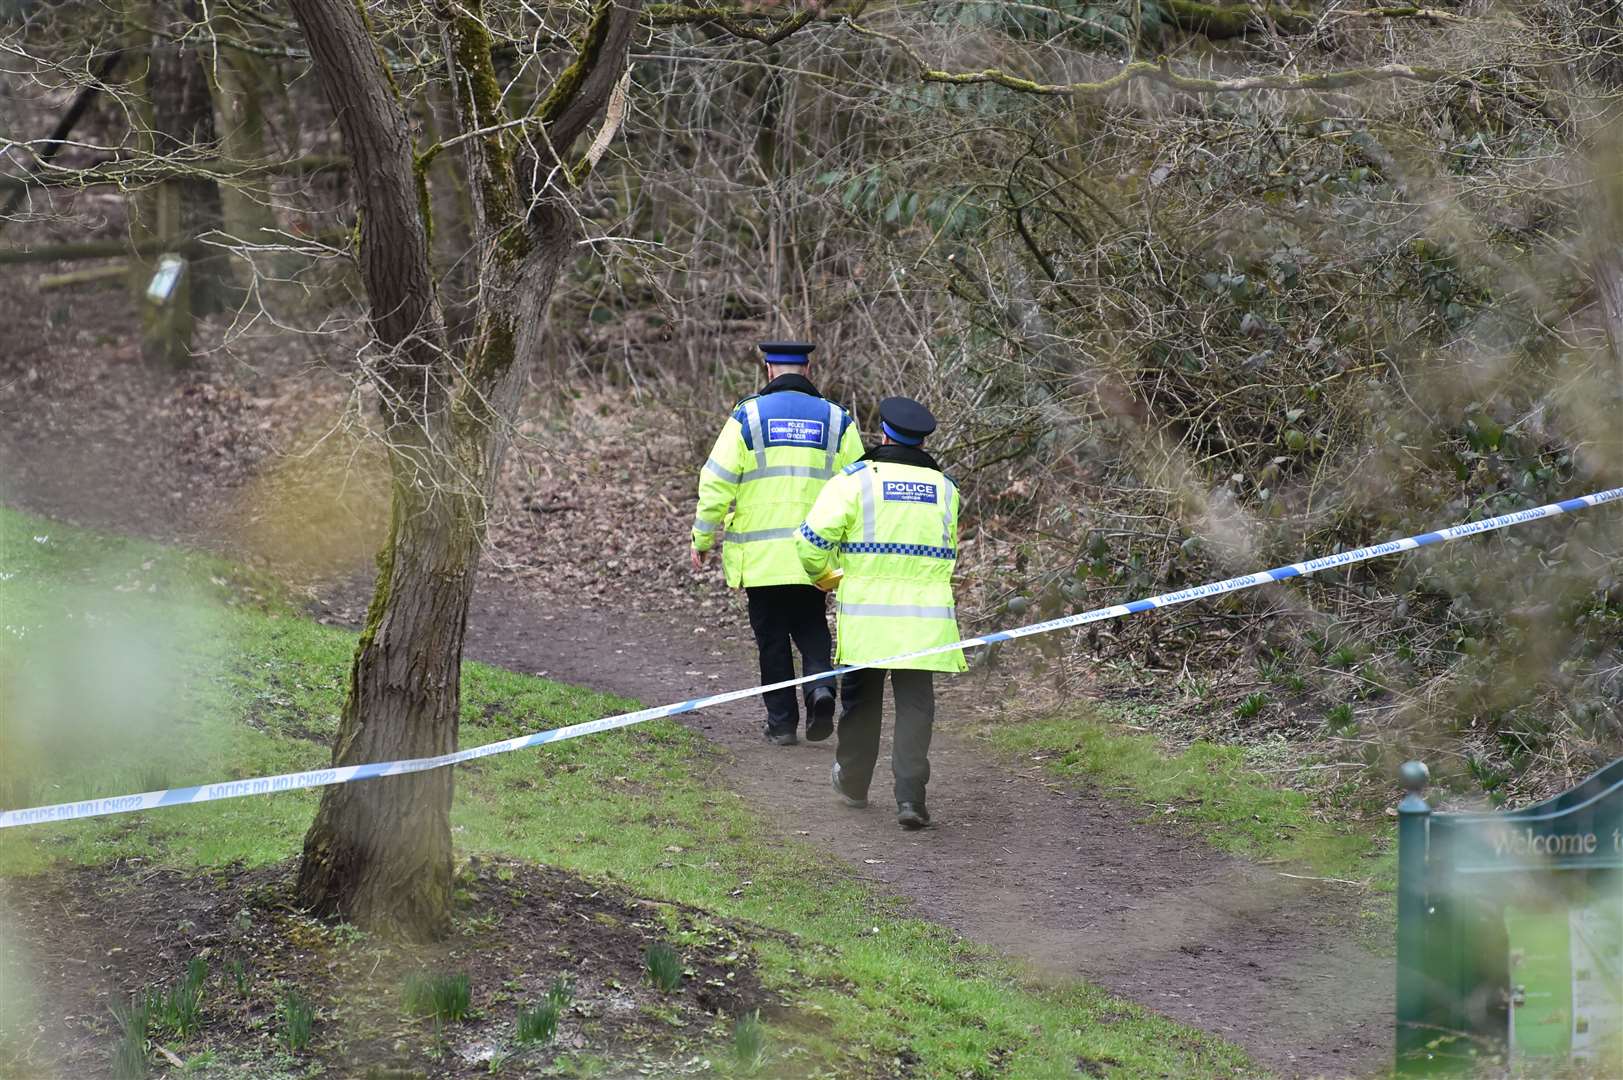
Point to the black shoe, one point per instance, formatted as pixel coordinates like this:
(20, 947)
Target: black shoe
(820, 710)
(781, 738)
(853, 801)
(912, 815)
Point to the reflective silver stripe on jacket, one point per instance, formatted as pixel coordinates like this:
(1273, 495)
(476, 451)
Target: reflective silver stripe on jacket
(752, 413)
(865, 480)
(946, 513)
(726, 474)
(901, 611)
(762, 534)
(835, 415)
(809, 471)
(701, 525)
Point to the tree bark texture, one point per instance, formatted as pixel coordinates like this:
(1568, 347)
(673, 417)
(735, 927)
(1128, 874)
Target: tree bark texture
(379, 852)
(1606, 442)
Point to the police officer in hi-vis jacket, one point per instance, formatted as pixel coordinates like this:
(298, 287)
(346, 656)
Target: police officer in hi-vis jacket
(892, 521)
(773, 456)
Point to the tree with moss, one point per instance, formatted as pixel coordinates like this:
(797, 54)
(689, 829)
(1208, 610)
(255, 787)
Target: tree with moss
(379, 853)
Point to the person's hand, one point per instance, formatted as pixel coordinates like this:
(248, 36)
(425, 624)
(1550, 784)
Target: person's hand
(698, 559)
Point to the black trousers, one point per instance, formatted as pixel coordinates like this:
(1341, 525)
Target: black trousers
(780, 614)
(862, 700)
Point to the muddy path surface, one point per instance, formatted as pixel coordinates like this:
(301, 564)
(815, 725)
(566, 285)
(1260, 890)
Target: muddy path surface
(1074, 883)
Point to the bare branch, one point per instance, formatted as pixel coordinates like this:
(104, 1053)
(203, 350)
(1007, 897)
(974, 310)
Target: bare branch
(1161, 72)
(394, 237)
(583, 88)
(738, 22)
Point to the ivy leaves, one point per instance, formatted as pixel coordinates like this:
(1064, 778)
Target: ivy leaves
(881, 199)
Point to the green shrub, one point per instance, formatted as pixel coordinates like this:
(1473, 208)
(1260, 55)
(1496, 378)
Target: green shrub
(1340, 717)
(239, 976)
(181, 1009)
(562, 992)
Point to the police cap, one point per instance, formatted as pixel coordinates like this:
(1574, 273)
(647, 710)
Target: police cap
(786, 352)
(905, 420)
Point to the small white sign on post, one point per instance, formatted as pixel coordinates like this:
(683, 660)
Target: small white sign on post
(166, 313)
(163, 283)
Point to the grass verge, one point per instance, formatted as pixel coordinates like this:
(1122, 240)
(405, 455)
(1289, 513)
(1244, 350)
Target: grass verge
(1217, 791)
(127, 666)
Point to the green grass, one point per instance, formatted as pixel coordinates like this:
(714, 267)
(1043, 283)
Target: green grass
(749, 1041)
(298, 1018)
(1251, 706)
(1231, 805)
(239, 976)
(181, 1010)
(537, 1024)
(440, 995)
(207, 676)
(664, 967)
(132, 1018)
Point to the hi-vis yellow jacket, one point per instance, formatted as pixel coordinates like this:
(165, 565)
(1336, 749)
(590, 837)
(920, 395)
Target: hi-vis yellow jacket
(892, 520)
(773, 456)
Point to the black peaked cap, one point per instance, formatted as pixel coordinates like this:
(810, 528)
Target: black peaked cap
(787, 348)
(907, 416)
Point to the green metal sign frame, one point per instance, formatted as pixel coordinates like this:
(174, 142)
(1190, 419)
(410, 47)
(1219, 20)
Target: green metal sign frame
(1510, 929)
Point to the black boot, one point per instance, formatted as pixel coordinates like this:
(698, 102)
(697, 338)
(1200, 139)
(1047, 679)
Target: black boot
(912, 815)
(855, 802)
(820, 714)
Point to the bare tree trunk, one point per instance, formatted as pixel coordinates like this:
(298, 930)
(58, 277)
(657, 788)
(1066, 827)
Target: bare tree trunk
(379, 852)
(141, 204)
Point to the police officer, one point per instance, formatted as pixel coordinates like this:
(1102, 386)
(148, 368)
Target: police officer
(773, 455)
(892, 519)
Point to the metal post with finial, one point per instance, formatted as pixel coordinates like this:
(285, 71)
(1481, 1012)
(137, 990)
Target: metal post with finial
(1414, 834)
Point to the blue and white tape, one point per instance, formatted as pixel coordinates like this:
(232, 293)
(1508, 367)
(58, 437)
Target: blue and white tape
(265, 785)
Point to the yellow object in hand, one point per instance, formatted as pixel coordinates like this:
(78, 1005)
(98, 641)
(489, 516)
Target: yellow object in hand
(830, 580)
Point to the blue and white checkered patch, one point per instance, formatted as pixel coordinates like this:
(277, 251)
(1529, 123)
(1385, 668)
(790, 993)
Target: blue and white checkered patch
(786, 431)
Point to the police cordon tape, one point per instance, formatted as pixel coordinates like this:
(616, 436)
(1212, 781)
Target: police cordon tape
(266, 785)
